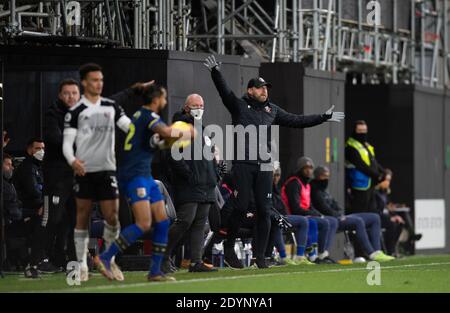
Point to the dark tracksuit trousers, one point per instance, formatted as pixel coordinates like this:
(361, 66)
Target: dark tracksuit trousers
(250, 180)
(58, 218)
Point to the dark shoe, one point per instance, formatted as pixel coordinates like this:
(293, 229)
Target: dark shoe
(326, 260)
(31, 272)
(416, 237)
(201, 268)
(46, 267)
(231, 260)
(261, 263)
(274, 262)
(166, 267)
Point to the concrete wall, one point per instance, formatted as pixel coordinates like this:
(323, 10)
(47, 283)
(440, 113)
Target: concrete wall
(305, 91)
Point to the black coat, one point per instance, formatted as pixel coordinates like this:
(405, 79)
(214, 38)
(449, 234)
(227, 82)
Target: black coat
(53, 138)
(11, 204)
(193, 180)
(324, 202)
(246, 111)
(54, 160)
(28, 181)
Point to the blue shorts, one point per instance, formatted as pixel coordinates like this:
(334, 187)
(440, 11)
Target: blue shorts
(141, 188)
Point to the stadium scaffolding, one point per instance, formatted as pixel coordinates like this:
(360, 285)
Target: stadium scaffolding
(314, 32)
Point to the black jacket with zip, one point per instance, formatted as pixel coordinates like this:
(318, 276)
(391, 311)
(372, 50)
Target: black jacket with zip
(29, 182)
(324, 202)
(193, 180)
(246, 111)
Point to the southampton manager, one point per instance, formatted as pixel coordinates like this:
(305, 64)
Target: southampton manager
(255, 108)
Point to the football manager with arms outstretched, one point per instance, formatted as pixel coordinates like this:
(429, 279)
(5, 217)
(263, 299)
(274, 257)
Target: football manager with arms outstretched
(255, 108)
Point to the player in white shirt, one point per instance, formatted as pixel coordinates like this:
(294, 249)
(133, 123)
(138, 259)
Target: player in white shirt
(90, 125)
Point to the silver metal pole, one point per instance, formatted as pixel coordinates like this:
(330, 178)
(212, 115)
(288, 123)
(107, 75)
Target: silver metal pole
(233, 27)
(277, 18)
(327, 36)
(434, 80)
(136, 24)
(316, 26)
(446, 43)
(295, 29)
(13, 22)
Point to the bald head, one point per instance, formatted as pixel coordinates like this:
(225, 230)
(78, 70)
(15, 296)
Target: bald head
(194, 101)
(194, 106)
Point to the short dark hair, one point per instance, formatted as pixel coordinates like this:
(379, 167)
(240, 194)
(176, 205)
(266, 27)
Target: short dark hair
(7, 156)
(152, 92)
(33, 140)
(67, 82)
(87, 68)
(358, 122)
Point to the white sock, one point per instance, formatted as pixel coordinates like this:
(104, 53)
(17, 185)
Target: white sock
(312, 258)
(323, 255)
(374, 254)
(110, 233)
(81, 239)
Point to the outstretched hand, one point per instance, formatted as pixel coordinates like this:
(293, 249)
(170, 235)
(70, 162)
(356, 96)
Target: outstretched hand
(211, 63)
(334, 116)
(141, 87)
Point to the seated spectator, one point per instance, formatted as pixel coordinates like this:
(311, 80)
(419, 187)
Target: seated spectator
(28, 182)
(391, 220)
(17, 253)
(366, 225)
(296, 196)
(301, 224)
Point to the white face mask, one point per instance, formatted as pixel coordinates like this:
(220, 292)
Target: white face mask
(197, 113)
(39, 155)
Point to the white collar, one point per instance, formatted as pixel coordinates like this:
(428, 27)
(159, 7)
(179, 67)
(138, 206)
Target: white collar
(89, 103)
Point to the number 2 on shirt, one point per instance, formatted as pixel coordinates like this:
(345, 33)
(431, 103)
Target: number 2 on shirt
(131, 132)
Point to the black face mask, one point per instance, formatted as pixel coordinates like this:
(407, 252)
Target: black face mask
(322, 184)
(360, 137)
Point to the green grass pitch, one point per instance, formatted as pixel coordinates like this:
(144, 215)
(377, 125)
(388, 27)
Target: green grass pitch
(413, 274)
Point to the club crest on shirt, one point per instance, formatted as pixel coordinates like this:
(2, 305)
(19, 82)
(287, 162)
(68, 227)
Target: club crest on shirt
(267, 109)
(107, 114)
(137, 115)
(141, 192)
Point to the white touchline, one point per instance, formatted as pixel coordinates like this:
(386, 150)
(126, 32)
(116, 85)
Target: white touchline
(196, 280)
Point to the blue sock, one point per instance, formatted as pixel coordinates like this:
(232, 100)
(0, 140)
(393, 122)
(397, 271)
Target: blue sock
(126, 238)
(300, 251)
(159, 242)
(312, 250)
(282, 253)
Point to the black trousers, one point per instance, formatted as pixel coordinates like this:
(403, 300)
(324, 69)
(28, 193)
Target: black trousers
(59, 202)
(23, 234)
(362, 201)
(250, 182)
(191, 218)
(391, 234)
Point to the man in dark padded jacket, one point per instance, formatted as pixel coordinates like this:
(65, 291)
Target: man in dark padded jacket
(194, 182)
(255, 109)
